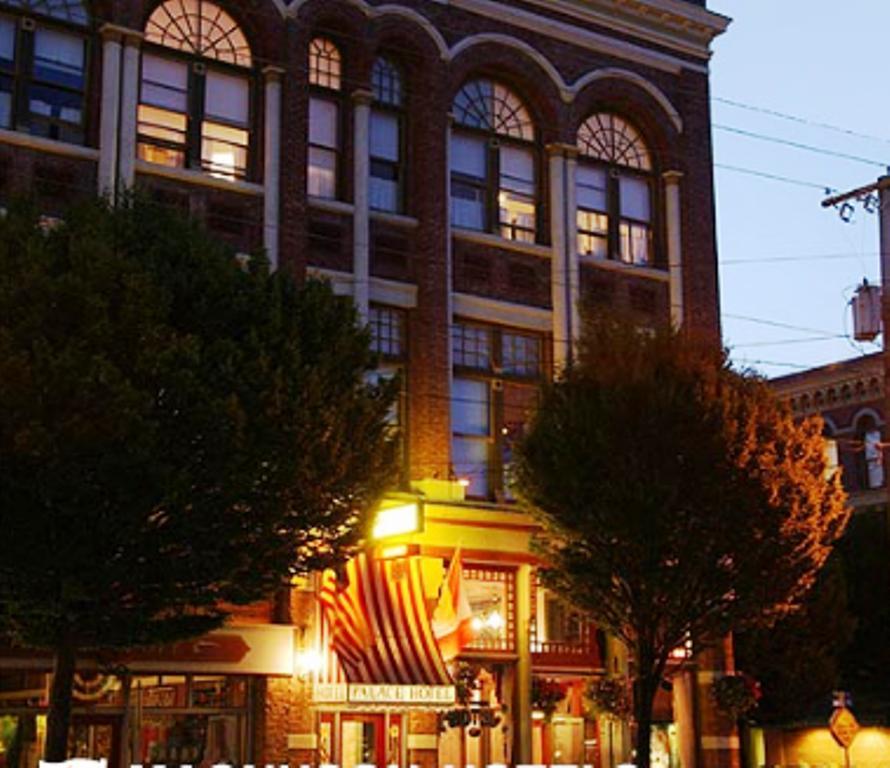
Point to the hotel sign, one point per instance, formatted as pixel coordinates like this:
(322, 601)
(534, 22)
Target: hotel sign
(376, 693)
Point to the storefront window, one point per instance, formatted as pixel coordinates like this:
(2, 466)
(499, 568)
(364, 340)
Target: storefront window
(174, 719)
(491, 595)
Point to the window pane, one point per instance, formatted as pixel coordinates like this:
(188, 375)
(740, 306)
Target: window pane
(593, 234)
(386, 82)
(324, 64)
(383, 190)
(468, 156)
(467, 206)
(224, 150)
(323, 123)
(634, 198)
(5, 102)
(55, 103)
(387, 330)
(377, 377)
(874, 458)
(164, 83)
(7, 43)
(322, 179)
(634, 243)
(471, 346)
(58, 58)
(227, 98)
(469, 459)
(517, 170)
(591, 188)
(385, 136)
(517, 214)
(521, 354)
(469, 408)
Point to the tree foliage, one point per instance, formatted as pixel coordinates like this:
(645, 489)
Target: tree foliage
(680, 499)
(177, 431)
(798, 662)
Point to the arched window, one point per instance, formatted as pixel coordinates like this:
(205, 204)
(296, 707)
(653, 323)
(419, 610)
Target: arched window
(614, 191)
(493, 162)
(386, 137)
(325, 77)
(194, 107)
(43, 68)
(871, 454)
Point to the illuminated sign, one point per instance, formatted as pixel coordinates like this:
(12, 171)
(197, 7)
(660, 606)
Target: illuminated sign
(360, 693)
(397, 518)
(375, 693)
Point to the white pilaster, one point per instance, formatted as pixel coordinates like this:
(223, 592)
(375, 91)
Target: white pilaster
(523, 686)
(361, 226)
(674, 244)
(564, 278)
(111, 104)
(272, 164)
(574, 268)
(128, 109)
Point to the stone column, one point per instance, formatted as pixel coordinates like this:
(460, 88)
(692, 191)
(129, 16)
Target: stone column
(272, 163)
(522, 714)
(111, 105)
(564, 277)
(129, 107)
(361, 226)
(684, 716)
(718, 736)
(673, 214)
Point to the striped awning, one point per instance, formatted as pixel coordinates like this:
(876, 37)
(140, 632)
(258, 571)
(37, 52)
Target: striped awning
(378, 623)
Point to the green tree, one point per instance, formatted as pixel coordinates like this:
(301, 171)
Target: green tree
(177, 432)
(680, 500)
(798, 661)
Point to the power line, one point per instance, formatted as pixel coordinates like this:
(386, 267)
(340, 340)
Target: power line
(798, 145)
(775, 324)
(800, 120)
(774, 177)
(801, 257)
(775, 363)
(783, 342)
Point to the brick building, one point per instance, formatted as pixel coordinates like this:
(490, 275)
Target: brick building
(469, 171)
(851, 397)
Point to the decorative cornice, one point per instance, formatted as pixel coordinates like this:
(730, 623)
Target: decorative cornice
(673, 24)
(852, 382)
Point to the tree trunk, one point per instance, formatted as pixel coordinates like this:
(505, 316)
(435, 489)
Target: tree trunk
(644, 697)
(126, 687)
(59, 716)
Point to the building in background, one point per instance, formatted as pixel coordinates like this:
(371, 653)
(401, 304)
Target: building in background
(851, 398)
(469, 172)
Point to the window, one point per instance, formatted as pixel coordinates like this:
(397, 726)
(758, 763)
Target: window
(325, 66)
(43, 70)
(491, 592)
(494, 389)
(493, 159)
(871, 455)
(614, 191)
(387, 331)
(386, 137)
(387, 326)
(194, 105)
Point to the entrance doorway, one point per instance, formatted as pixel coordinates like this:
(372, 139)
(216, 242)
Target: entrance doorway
(95, 737)
(362, 740)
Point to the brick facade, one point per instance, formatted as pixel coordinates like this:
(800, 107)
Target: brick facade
(643, 60)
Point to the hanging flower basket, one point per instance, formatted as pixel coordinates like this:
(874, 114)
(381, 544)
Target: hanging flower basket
(546, 695)
(607, 697)
(736, 695)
